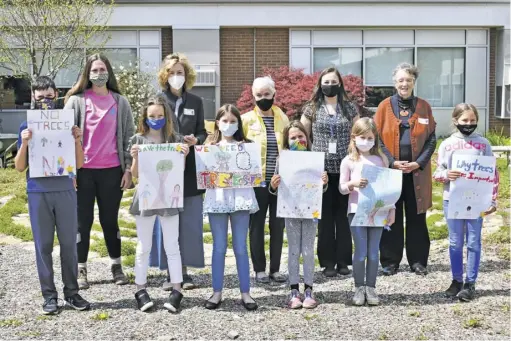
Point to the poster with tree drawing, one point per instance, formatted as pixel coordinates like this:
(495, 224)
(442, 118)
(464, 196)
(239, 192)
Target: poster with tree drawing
(378, 197)
(471, 194)
(229, 166)
(52, 148)
(161, 175)
(300, 192)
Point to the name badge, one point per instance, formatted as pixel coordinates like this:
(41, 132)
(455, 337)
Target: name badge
(189, 112)
(423, 120)
(332, 147)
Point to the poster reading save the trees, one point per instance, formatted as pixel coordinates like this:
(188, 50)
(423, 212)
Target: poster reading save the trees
(51, 150)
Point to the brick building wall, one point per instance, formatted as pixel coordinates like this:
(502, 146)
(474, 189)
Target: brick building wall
(499, 124)
(238, 60)
(166, 41)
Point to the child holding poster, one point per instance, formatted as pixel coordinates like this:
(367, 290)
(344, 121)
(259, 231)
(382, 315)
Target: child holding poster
(155, 126)
(301, 233)
(464, 141)
(52, 205)
(229, 204)
(364, 148)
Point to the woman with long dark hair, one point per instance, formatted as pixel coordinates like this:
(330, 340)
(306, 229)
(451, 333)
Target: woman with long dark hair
(328, 117)
(107, 123)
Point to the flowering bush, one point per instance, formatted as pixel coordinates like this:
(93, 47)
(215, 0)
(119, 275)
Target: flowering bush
(135, 85)
(294, 88)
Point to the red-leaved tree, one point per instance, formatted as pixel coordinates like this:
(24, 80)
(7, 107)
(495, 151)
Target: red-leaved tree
(294, 88)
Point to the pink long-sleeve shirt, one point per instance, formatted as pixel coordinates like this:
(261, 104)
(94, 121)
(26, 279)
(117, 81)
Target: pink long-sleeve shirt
(352, 170)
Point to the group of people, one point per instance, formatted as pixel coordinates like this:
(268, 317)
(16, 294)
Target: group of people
(401, 136)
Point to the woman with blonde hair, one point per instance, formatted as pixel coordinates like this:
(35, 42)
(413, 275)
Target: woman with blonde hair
(176, 77)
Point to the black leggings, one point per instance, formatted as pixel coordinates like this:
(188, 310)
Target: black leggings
(105, 186)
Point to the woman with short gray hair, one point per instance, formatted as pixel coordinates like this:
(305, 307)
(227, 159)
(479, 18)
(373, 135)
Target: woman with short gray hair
(407, 128)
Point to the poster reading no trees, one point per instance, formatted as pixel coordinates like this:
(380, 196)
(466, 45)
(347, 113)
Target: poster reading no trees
(52, 148)
(161, 175)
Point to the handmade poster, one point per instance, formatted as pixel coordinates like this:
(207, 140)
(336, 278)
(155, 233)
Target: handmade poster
(229, 166)
(52, 147)
(471, 194)
(300, 192)
(378, 197)
(161, 174)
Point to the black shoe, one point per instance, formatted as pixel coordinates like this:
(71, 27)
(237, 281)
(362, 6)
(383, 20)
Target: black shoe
(212, 305)
(330, 271)
(468, 293)
(174, 301)
(187, 283)
(343, 269)
(419, 269)
(389, 270)
(50, 306)
(454, 289)
(143, 300)
(77, 302)
(249, 306)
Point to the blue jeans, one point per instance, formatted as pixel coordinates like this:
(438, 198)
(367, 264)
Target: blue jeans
(239, 227)
(456, 241)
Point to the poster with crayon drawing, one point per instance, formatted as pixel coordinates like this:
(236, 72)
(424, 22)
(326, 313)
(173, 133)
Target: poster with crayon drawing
(471, 194)
(161, 173)
(300, 192)
(229, 166)
(52, 147)
(378, 197)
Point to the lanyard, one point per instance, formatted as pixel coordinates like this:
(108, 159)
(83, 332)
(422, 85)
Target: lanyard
(332, 119)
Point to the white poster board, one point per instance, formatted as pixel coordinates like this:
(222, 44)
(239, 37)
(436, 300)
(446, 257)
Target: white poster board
(229, 166)
(52, 147)
(161, 173)
(471, 194)
(378, 197)
(300, 193)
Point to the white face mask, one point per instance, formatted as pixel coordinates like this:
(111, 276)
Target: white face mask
(228, 129)
(364, 145)
(177, 81)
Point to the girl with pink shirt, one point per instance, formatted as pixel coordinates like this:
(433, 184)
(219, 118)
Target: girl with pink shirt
(107, 123)
(364, 148)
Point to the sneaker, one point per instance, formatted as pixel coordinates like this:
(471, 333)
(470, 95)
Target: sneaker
(419, 269)
(468, 292)
(329, 271)
(82, 279)
(77, 302)
(454, 289)
(294, 300)
(372, 296)
(166, 286)
(359, 298)
(278, 277)
(174, 301)
(143, 300)
(309, 302)
(50, 306)
(188, 283)
(343, 269)
(118, 275)
(261, 277)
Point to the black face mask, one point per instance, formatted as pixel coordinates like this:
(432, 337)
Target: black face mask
(466, 129)
(330, 90)
(265, 104)
(45, 104)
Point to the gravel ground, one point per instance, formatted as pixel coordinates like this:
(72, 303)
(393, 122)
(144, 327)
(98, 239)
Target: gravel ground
(412, 307)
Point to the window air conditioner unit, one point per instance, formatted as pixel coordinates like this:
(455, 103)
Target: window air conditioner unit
(205, 77)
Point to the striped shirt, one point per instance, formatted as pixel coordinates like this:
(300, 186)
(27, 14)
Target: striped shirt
(272, 149)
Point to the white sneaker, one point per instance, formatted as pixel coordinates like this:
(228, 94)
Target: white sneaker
(359, 298)
(372, 296)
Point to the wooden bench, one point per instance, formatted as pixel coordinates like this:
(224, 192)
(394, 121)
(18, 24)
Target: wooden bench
(503, 149)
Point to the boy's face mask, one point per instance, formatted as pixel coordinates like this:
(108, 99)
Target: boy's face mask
(45, 104)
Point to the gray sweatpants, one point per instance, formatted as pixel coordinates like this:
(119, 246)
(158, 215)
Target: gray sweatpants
(48, 211)
(301, 234)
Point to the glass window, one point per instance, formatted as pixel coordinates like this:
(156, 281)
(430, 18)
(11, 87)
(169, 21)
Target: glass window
(503, 107)
(120, 57)
(442, 78)
(348, 60)
(381, 61)
(67, 76)
(376, 94)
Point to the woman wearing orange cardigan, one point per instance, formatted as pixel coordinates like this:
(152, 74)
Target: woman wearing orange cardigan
(407, 128)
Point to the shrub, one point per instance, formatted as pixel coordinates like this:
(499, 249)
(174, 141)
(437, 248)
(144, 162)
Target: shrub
(294, 88)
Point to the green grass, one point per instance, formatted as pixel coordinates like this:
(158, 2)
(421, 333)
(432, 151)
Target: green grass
(128, 233)
(438, 232)
(128, 261)
(127, 224)
(101, 316)
(473, 322)
(501, 236)
(206, 227)
(128, 248)
(434, 218)
(125, 203)
(10, 323)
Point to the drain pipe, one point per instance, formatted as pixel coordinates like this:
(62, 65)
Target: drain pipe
(255, 40)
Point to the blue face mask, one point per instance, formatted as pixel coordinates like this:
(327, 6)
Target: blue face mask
(155, 124)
